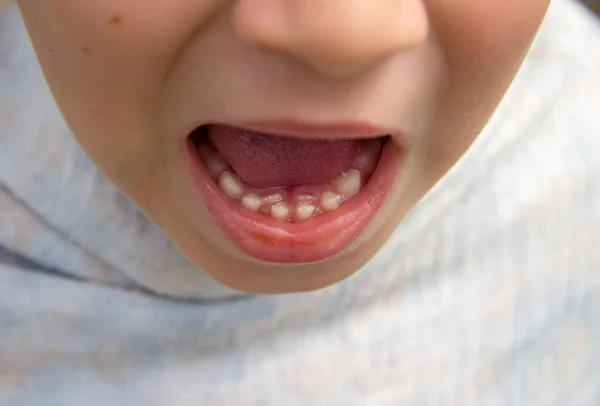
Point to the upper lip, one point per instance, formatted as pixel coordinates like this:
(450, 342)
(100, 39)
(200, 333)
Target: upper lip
(327, 130)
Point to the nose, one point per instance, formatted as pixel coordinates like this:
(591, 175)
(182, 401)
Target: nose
(333, 36)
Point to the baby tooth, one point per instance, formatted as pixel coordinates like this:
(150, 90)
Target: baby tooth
(231, 184)
(252, 201)
(350, 184)
(304, 210)
(330, 201)
(280, 211)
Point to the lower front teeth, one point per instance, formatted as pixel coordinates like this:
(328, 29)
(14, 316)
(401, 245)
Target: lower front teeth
(304, 210)
(280, 211)
(306, 203)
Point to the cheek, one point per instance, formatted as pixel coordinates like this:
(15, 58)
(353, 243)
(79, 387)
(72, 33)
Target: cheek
(485, 39)
(150, 29)
(483, 43)
(104, 62)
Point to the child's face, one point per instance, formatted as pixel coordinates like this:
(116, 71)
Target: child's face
(134, 78)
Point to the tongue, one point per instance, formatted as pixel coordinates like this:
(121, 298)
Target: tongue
(263, 160)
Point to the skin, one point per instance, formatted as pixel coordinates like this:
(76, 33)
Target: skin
(134, 77)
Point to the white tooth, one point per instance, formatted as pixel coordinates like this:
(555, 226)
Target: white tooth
(271, 199)
(231, 184)
(252, 201)
(330, 201)
(280, 211)
(350, 184)
(304, 210)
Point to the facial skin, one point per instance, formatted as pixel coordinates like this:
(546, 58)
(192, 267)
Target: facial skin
(134, 77)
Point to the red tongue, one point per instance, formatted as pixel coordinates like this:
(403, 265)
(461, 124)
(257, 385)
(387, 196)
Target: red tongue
(264, 161)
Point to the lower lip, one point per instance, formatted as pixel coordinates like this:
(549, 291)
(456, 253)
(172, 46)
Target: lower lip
(317, 239)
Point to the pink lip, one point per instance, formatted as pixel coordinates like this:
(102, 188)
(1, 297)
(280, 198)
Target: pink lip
(270, 240)
(316, 130)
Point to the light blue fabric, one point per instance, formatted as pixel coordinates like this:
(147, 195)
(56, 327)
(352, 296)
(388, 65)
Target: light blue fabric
(487, 294)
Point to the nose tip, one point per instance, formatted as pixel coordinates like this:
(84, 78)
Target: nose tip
(333, 36)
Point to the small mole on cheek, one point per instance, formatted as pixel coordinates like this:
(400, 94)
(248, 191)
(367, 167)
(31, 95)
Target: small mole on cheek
(85, 49)
(115, 20)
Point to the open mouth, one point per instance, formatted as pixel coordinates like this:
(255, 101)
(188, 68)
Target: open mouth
(287, 199)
